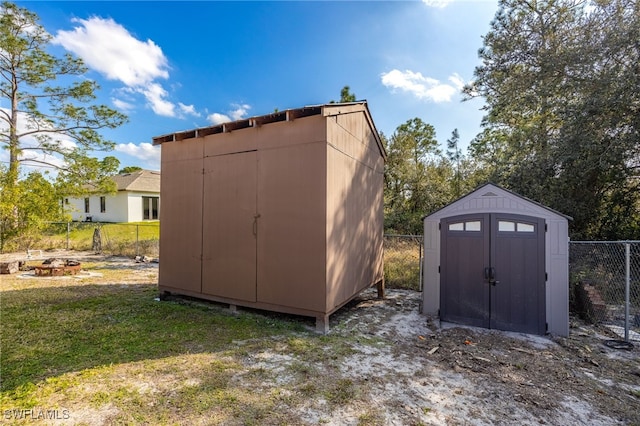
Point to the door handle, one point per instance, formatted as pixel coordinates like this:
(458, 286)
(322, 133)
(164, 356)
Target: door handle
(490, 275)
(255, 226)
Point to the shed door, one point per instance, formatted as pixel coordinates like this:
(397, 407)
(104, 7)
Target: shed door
(493, 272)
(228, 226)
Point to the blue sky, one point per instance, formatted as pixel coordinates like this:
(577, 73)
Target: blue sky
(173, 66)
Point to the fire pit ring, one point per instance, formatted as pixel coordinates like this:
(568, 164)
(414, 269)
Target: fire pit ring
(57, 268)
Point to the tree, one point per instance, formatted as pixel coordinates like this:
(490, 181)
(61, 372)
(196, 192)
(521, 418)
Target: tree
(39, 203)
(455, 155)
(345, 96)
(48, 123)
(416, 176)
(129, 169)
(560, 84)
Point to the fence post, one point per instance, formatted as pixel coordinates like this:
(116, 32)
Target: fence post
(137, 238)
(68, 232)
(627, 287)
(421, 263)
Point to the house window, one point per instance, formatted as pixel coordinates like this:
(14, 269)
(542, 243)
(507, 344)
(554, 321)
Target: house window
(150, 208)
(103, 204)
(86, 205)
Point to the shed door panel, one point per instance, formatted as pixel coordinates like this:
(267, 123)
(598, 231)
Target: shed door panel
(180, 231)
(229, 214)
(493, 272)
(517, 254)
(464, 296)
(292, 226)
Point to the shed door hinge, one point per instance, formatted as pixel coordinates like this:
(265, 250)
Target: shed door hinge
(546, 227)
(439, 226)
(546, 277)
(438, 268)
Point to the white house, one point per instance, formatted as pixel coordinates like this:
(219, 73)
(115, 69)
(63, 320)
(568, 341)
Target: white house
(137, 200)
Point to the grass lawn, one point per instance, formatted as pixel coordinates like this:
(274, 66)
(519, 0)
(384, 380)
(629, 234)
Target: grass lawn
(99, 349)
(402, 263)
(102, 350)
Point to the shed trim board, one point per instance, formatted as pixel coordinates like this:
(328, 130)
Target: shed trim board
(287, 115)
(282, 212)
(486, 201)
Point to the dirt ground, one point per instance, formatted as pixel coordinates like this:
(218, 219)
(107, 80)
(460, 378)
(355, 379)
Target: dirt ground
(467, 375)
(414, 370)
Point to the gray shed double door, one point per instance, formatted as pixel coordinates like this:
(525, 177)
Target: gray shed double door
(492, 271)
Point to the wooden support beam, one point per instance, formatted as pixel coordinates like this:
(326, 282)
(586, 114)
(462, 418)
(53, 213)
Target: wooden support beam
(380, 285)
(322, 324)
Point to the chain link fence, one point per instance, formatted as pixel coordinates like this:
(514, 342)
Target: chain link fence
(402, 253)
(604, 276)
(605, 284)
(402, 261)
(121, 239)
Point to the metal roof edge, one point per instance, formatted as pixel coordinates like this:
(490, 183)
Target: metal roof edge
(228, 126)
(286, 115)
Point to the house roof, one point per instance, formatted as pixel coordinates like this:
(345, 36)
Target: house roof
(141, 181)
(329, 109)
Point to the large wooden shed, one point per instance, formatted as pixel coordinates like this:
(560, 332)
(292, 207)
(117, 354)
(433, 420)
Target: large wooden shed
(281, 212)
(495, 259)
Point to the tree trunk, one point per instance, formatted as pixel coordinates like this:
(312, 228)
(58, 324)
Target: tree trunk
(97, 241)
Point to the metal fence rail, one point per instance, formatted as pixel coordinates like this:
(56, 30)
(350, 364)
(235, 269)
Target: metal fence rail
(605, 284)
(125, 239)
(402, 253)
(604, 276)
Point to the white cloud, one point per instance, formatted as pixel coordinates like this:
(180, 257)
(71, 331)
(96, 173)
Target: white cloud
(422, 87)
(457, 81)
(188, 109)
(440, 4)
(217, 118)
(123, 105)
(109, 48)
(143, 151)
(238, 113)
(155, 95)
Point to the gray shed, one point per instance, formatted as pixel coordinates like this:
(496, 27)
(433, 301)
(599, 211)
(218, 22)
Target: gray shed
(495, 259)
